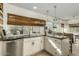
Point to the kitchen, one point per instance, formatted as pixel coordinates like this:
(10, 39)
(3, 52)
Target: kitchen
(26, 32)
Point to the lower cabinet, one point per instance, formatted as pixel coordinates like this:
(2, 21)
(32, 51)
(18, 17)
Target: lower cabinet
(32, 45)
(27, 46)
(55, 47)
(49, 47)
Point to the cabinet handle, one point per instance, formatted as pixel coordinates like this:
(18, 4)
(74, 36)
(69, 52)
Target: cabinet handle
(33, 43)
(55, 40)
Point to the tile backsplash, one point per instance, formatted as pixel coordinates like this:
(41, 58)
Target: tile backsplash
(27, 30)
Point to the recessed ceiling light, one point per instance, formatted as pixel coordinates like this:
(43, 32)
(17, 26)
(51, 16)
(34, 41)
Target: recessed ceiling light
(34, 7)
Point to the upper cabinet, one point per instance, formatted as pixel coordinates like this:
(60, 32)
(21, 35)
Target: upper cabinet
(22, 20)
(1, 13)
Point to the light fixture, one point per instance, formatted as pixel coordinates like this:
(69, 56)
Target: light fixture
(47, 14)
(55, 18)
(34, 7)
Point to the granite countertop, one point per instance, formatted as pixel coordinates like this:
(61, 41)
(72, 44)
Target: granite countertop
(59, 37)
(16, 37)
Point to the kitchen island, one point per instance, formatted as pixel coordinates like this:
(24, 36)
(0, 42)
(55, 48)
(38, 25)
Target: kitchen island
(18, 45)
(59, 43)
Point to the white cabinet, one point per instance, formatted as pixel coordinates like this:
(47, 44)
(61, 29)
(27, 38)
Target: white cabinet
(27, 46)
(38, 45)
(48, 46)
(54, 47)
(32, 45)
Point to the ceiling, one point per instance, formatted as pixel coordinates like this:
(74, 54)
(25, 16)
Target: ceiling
(63, 10)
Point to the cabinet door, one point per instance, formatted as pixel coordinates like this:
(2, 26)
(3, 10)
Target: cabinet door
(52, 46)
(37, 45)
(32, 45)
(27, 47)
(48, 46)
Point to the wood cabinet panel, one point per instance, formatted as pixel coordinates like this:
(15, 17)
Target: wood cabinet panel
(1, 13)
(1, 6)
(21, 20)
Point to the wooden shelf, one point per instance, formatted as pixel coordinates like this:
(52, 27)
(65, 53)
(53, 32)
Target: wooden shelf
(21, 20)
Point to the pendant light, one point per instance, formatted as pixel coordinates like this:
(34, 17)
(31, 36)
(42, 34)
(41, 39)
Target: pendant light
(47, 14)
(47, 18)
(55, 18)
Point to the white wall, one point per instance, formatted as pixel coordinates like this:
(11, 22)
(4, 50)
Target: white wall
(8, 8)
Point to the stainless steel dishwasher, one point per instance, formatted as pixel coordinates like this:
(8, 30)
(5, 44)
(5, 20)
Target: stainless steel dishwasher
(14, 47)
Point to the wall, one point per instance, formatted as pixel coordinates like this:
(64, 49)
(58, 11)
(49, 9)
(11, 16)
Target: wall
(8, 8)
